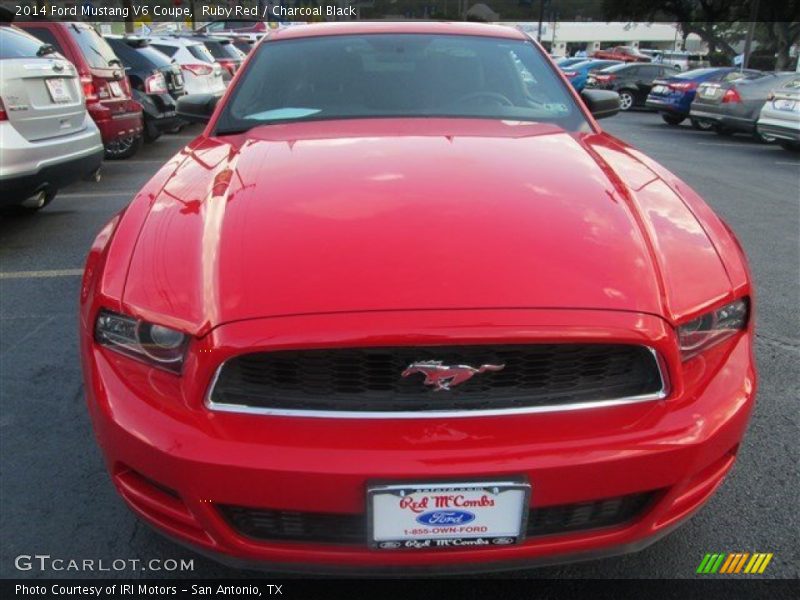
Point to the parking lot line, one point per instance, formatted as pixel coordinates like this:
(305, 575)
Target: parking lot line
(719, 144)
(41, 274)
(139, 161)
(793, 164)
(95, 194)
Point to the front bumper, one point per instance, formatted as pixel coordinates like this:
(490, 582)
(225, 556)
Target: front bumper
(174, 461)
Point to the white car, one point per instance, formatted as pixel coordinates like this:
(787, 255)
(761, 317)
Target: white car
(201, 73)
(47, 139)
(683, 61)
(780, 115)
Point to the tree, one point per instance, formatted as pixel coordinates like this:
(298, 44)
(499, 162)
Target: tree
(711, 20)
(782, 27)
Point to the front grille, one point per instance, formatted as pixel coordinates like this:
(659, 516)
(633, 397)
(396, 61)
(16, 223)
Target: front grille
(369, 379)
(322, 528)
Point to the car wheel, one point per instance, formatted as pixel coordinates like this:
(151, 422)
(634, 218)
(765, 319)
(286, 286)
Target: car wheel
(790, 145)
(625, 100)
(123, 147)
(702, 124)
(151, 133)
(764, 139)
(672, 119)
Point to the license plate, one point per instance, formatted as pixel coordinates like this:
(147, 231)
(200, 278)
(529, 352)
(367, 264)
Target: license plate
(784, 104)
(116, 90)
(447, 515)
(711, 91)
(58, 90)
(659, 89)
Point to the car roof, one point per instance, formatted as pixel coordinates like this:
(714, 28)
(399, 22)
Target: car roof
(207, 38)
(174, 41)
(389, 27)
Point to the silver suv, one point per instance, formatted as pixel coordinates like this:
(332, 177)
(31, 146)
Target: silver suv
(47, 139)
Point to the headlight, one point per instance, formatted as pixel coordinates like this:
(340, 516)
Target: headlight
(156, 344)
(713, 327)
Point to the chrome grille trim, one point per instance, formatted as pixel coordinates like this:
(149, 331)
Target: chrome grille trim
(661, 394)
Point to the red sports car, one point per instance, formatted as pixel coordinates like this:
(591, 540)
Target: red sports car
(403, 304)
(623, 53)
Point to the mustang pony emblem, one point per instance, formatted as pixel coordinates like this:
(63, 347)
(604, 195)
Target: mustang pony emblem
(443, 377)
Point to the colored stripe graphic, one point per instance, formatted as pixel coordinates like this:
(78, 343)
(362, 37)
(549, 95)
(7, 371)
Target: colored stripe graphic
(764, 564)
(726, 566)
(703, 563)
(729, 562)
(740, 564)
(734, 562)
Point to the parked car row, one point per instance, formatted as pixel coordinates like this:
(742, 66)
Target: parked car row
(728, 100)
(680, 60)
(71, 97)
(723, 99)
(738, 106)
(48, 139)
(631, 80)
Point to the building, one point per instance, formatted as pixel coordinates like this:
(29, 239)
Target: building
(566, 38)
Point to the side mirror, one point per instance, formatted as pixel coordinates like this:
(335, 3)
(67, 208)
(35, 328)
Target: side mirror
(601, 103)
(197, 108)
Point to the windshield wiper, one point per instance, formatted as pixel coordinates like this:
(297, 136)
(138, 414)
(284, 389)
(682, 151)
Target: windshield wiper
(234, 130)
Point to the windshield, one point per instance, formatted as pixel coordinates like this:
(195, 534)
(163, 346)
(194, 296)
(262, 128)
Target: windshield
(399, 75)
(95, 49)
(215, 48)
(695, 73)
(619, 67)
(156, 57)
(200, 52)
(18, 44)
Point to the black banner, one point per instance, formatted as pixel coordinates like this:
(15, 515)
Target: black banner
(278, 11)
(408, 589)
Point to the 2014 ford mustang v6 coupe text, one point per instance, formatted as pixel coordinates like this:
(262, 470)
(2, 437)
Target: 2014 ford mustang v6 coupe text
(403, 304)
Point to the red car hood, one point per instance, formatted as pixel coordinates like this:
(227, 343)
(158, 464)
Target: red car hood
(415, 214)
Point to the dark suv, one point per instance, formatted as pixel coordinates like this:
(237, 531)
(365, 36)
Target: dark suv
(631, 81)
(156, 81)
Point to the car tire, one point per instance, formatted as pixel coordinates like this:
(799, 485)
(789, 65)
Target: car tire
(790, 145)
(123, 148)
(702, 124)
(151, 133)
(625, 100)
(764, 139)
(672, 119)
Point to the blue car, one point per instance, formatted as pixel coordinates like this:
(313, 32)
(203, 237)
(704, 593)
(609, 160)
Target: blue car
(565, 61)
(672, 96)
(578, 73)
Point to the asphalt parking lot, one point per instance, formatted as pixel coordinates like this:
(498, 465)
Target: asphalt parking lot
(55, 495)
